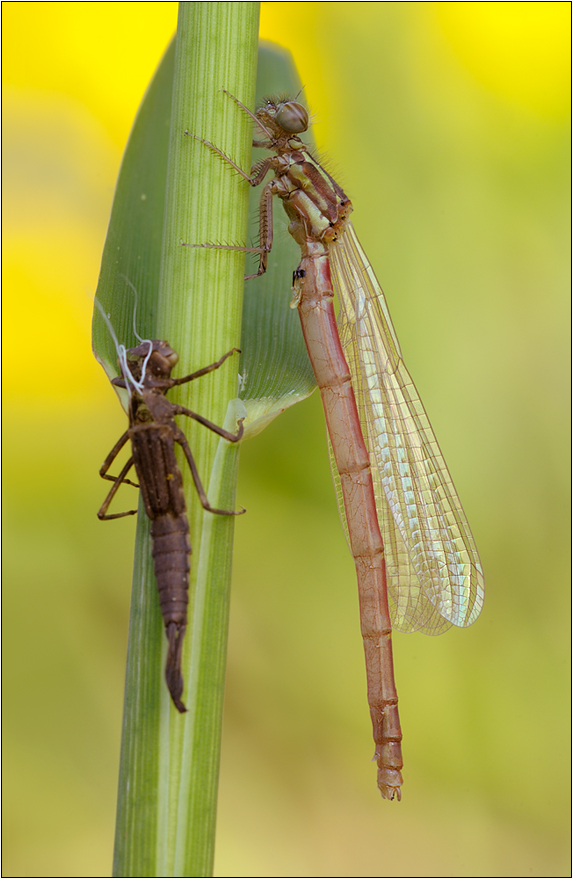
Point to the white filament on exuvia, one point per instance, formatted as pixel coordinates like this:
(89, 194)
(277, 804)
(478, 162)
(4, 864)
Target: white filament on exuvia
(137, 385)
(131, 286)
(130, 380)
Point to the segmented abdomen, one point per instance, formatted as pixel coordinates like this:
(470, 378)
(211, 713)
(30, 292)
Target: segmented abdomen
(162, 491)
(171, 549)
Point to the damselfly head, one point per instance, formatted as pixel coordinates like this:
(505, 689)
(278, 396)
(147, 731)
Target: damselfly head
(290, 116)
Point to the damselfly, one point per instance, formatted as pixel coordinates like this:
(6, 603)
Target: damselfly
(416, 561)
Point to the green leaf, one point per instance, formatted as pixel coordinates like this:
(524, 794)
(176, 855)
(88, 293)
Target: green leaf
(132, 250)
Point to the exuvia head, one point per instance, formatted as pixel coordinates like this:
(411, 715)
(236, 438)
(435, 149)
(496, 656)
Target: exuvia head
(156, 358)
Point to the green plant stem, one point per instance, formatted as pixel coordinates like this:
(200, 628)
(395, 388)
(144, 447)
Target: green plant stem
(170, 762)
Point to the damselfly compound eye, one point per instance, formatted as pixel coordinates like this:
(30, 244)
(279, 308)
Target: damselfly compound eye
(292, 117)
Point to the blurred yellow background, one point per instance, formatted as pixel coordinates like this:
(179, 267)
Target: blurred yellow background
(447, 124)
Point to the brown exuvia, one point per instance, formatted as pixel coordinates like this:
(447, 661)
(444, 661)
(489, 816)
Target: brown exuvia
(153, 433)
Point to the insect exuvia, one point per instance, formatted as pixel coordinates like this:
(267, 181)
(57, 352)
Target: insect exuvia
(153, 432)
(416, 561)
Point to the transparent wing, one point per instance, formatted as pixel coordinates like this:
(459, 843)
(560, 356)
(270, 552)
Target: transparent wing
(435, 577)
(338, 489)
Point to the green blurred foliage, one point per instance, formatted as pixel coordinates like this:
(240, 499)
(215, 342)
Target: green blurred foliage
(460, 187)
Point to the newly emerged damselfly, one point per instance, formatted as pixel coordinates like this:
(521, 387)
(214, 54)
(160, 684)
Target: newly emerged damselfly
(416, 561)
